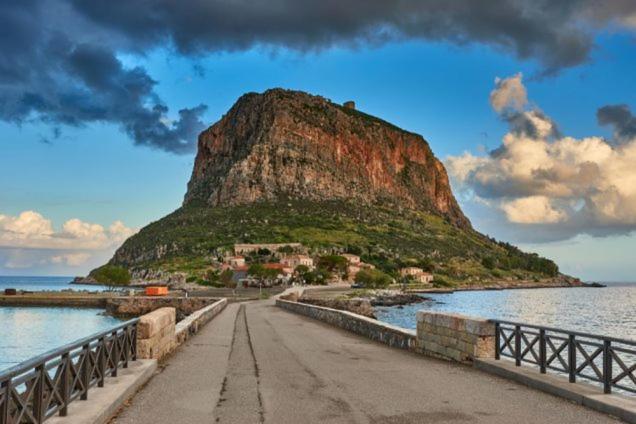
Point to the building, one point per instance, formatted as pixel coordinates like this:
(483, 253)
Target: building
(352, 259)
(417, 274)
(235, 261)
(245, 248)
(292, 261)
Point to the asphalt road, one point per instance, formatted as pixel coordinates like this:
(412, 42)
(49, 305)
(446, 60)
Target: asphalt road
(257, 363)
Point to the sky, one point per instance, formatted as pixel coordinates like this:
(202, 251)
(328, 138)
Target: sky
(530, 106)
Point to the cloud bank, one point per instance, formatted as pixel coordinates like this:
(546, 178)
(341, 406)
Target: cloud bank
(61, 59)
(30, 239)
(554, 186)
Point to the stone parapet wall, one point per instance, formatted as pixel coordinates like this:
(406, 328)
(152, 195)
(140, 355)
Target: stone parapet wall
(455, 337)
(156, 333)
(368, 327)
(191, 324)
(134, 306)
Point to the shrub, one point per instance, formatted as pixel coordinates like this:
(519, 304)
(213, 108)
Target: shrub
(373, 278)
(112, 276)
(439, 281)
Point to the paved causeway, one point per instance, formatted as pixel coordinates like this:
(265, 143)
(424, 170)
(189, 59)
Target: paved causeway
(257, 363)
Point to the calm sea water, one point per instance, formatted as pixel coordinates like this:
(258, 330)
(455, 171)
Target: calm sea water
(44, 284)
(607, 311)
(27, 332)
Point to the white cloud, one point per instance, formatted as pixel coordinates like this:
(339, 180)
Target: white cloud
(31, 230)
(509, 93)
(532, 210)
(71, 259)
(30, 240)
(537, 177)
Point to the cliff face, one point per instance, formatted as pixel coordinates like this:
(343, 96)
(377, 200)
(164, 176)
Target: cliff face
(291, 145)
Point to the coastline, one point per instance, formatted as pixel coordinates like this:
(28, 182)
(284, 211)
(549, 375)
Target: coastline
(499, 286)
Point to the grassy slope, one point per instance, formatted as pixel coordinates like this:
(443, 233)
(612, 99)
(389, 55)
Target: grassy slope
(388, 238)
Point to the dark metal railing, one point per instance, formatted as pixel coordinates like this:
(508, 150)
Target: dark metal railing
(43, 386)
(609, 361)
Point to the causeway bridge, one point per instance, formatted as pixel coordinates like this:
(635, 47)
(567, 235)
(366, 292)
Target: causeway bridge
(256, 362)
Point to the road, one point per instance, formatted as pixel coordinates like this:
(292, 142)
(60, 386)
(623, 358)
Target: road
(256, 363)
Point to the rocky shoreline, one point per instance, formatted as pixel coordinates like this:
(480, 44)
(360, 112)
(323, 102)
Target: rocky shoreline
(364, 303)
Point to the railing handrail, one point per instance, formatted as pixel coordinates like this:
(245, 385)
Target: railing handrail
(53, 353)
(568, 332)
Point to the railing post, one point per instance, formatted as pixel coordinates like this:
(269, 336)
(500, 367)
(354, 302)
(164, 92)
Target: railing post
(607, 366)
(134, 342)
(101, 361)
(65, 389)
(572, 358)
(517, 345)
(126, 334)
(38, 395)
(4, 407)
(85, 371)
(115, 354)
(497, 341)
(543, 355)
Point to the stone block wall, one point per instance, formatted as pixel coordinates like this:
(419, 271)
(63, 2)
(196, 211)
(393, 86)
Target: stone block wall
(455, 337)
(368, 327)
(134, 306)
(156, 333)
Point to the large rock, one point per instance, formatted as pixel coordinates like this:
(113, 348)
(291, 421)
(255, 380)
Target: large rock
(282, 144)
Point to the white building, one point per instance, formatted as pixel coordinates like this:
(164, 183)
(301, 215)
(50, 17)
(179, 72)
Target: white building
(293, 261)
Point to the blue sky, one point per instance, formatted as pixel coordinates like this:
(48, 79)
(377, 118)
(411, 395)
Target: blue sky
(95, 173)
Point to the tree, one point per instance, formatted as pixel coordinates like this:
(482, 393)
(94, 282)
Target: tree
(488, 262)
(301, 272)
(317, 277)
(112, 276)
(226, 279)
(333, 263)
(287, 249)
(212, 275)
(261, 273)
(373, 278)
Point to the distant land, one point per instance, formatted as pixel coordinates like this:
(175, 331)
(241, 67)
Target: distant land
(285, 166)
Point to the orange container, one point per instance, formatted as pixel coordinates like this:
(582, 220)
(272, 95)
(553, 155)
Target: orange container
(156, 291)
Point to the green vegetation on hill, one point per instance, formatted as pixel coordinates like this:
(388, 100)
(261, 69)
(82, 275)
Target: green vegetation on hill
(387, 237)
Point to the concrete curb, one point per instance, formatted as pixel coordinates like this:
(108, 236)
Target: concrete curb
(103, 403)
(584, 394)
(192, 323)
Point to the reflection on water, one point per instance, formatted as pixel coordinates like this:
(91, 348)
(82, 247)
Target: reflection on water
(27, 332)
(607, 311)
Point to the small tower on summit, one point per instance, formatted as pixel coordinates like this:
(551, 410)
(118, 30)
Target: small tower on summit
(350, 104)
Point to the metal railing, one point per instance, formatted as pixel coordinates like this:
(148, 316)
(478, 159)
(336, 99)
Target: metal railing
(41, 387)
(609, 361)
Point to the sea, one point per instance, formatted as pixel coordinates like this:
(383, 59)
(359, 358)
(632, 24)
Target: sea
(26, 332)
(608, 311)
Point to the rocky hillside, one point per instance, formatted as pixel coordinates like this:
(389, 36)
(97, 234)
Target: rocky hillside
(286, 166)
(291, 145)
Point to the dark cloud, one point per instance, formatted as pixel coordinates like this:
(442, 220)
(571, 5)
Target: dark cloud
(558, 34)
(60, 58)
(620, 118)
(527, 123)
(66, 81)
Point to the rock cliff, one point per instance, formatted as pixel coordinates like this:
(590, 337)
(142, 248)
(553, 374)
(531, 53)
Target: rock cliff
(285, 144)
